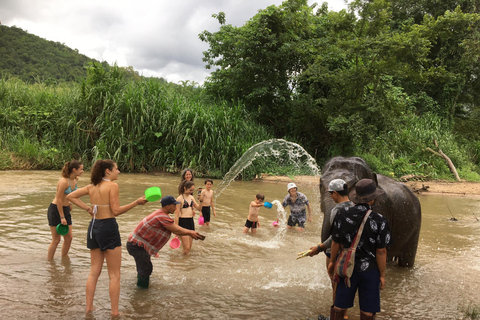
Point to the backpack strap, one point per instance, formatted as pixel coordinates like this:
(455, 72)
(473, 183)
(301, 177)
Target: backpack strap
(360, 230)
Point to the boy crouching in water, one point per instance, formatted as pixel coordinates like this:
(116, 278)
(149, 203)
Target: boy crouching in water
(206, 201)
(252, 220)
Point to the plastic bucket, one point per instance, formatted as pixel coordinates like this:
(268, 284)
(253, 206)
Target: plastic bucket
(275, 223)
(153, 194)
(268, 205)
(201, 220)
(62, 229)
(175, 243)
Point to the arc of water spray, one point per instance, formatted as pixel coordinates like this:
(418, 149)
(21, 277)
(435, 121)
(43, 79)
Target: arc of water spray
(272, 147)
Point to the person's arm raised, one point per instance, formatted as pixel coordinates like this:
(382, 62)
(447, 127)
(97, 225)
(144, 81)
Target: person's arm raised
(115, 201)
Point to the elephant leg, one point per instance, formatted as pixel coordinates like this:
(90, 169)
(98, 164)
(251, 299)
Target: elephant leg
(407, 258)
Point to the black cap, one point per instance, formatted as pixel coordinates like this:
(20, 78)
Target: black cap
(168, 200)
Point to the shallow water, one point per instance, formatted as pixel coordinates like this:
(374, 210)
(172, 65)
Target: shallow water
(229, 275)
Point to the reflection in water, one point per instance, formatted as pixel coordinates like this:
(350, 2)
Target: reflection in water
(229, 275)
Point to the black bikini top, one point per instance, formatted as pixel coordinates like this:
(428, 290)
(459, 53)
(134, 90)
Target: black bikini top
(185, 203)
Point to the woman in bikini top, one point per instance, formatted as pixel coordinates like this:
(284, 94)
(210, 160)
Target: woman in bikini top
(105, 204)
(185, 212)
(71, 171)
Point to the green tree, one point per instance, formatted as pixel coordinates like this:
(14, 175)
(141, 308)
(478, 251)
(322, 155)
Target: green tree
(258, 62)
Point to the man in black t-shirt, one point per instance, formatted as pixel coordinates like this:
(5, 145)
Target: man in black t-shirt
(371, 253)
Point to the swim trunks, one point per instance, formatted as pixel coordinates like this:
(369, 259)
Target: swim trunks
(251, 224)
(186, 223)
(103, 234)
(54, 216)
(293, 221)
(206, 214)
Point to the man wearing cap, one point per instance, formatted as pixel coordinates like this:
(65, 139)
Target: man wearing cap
(297, 202)
(338, 190)
(151, 234)
(371, 253)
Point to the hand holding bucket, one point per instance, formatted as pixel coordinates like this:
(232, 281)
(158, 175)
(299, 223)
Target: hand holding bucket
(62, 229)
(175, 243)
(268, 205)
(153, 194)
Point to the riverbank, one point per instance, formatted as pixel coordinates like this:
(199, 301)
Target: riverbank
(451, 188)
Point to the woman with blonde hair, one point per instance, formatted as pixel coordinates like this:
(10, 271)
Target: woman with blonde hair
(103, 237)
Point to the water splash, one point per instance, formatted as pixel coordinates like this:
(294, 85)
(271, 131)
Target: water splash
(289, 152)
(282, 219)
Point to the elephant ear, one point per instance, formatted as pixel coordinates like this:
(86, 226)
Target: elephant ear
(374, 178)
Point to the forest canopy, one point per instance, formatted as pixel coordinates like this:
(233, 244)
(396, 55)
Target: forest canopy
(360, 81)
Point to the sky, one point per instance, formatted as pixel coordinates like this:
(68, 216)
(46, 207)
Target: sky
(156, 37)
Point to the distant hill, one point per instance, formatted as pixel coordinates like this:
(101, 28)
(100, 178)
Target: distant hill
(32, 58)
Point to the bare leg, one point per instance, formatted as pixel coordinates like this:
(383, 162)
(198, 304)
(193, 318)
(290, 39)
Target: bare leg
(54, 244)
(245, 229)
(67, 241)
(96, 261)
(254, 230)
(187, 244)
(114, 261)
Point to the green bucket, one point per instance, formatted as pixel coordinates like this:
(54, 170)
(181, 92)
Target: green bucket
(153, 194)
(62, 229)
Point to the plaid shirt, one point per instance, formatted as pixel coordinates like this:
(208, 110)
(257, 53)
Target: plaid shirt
(151, 233)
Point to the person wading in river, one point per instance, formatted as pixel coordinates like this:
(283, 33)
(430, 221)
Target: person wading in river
(371, 254)
(297, 202)
(103, 237)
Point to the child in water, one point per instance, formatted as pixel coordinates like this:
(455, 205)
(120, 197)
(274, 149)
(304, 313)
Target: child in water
(252, 220)
(206, 201)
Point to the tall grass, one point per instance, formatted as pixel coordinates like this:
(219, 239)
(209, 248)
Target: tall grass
(143, 125)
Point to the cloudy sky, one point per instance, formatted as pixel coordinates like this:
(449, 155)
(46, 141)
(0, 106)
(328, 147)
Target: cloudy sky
(156, 37)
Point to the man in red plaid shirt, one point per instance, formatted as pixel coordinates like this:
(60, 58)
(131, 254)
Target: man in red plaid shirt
(151, 234)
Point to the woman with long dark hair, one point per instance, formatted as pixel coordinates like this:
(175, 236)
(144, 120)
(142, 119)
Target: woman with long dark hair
(59, 210)
(103, 238)
(184, 213)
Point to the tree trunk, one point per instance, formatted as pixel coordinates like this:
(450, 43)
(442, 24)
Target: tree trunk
(450, 164)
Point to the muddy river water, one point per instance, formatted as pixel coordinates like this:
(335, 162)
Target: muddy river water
(229, 275)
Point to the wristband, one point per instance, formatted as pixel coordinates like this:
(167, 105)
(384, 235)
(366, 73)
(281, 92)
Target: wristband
(138, 203)
(62, 217)
(319, 248)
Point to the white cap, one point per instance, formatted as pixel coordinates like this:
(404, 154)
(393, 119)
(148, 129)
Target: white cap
(336, 185)
(291, 185)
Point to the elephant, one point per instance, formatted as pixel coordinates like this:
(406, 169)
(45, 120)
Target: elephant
(398, 205)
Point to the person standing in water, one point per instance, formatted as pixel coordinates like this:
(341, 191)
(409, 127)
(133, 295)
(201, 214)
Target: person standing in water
(151, 234)
(297, 202)
(187, 175)
(206, 200)
(103, 237)
(184, 212)
(59, 210)
(252, 219)
(338, 190)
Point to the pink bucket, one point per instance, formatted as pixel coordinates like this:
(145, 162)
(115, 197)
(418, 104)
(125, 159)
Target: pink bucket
(275, 224)
(201, 221)
(175, 243)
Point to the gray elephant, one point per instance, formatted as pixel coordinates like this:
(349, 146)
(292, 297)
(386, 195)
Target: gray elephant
(398, 204)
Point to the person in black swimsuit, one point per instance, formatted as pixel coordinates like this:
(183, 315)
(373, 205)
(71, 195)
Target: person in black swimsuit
(184, 213)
